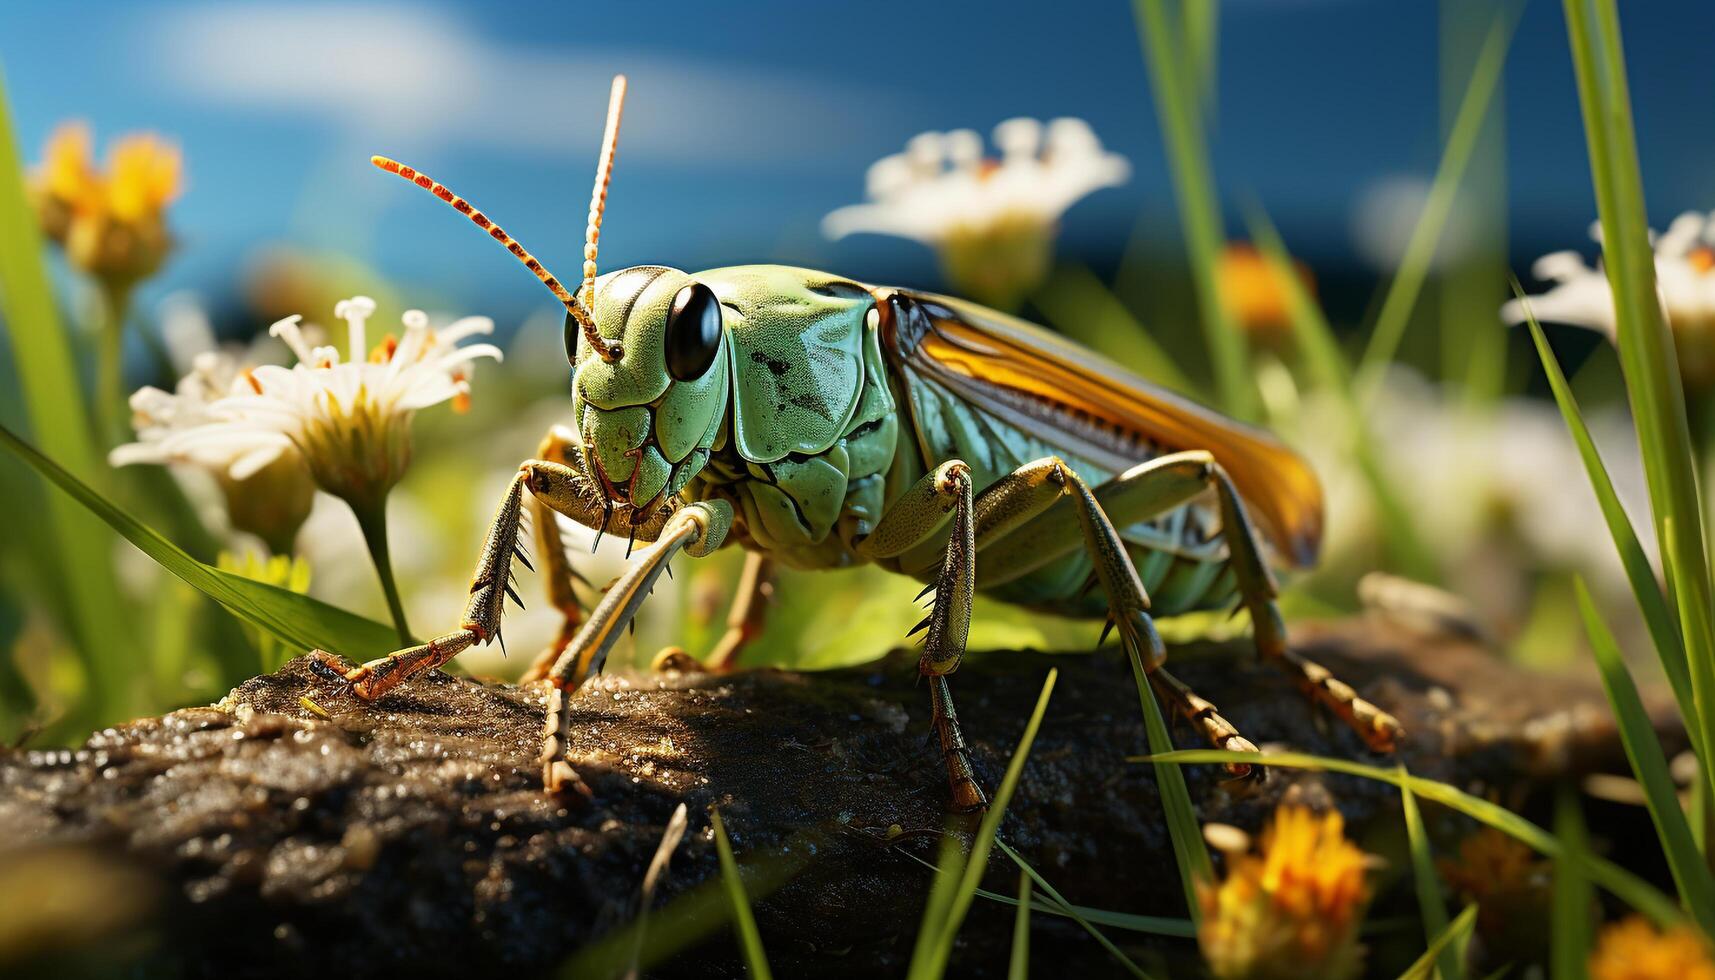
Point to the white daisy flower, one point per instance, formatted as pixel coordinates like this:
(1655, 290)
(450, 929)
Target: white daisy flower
(350, 420)
(1685, 279)
(991, 220)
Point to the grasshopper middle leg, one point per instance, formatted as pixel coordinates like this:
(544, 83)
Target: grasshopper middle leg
(911, 528)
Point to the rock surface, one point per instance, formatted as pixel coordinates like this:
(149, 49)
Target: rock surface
(413, 834)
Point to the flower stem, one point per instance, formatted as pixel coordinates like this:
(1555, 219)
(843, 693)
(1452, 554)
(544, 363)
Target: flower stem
(372, 518)
(110, 397)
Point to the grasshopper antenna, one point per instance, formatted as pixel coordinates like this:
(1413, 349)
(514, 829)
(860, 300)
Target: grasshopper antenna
(577, 305)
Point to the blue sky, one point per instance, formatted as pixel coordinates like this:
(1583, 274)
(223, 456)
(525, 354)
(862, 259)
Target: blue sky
(748, 122)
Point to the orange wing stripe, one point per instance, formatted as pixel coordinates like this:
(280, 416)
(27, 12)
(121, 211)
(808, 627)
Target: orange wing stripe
(974, 348)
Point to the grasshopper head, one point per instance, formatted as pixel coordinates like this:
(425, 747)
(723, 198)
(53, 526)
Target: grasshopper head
(647, 351)
(649, 416)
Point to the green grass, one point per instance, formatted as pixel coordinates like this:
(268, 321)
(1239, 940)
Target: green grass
(1443, 945)
(54, 398)
(951, 895)
(1018, 963)
(297, 620)
(1573, 898)
(1647, 355)
(1663, 629)
(1407, 286)
(1623, 884)
(1643, 751)
(1190, 853)
(743, 922)
(1072, 911)
(1327, 364)
(1426, 881)
(1178, 108)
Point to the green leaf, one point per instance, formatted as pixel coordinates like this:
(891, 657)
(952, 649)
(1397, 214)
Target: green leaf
(1647, 355)
(1414, 266)
(947, 906)
(1628, 887)
(1199, 209)
(1018, 965)
(1071, 910)
(1573, 899)
(1649, 765)
(1427, 882)
(1444, 943)
(298, 620)
(53, 397)
(1663, 629)
(750, 941)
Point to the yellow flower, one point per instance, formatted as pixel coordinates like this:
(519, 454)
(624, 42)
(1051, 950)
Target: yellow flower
(143, 177)
(112, 222)
(1259, 298)
(1292, 908)
(1632, 949)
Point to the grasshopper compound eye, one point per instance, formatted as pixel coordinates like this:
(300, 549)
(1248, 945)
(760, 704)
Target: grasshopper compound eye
(693, 332)
(573, 331)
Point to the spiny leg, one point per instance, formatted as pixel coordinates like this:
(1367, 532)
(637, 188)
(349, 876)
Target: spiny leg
(1023, 522)
(559, 446)
(1257, 590)
(490, 584)
(696, 529)
(749, 609)
(1151, 489)
(912, 520)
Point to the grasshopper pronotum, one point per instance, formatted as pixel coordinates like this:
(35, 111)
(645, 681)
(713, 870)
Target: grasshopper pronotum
(820, 422)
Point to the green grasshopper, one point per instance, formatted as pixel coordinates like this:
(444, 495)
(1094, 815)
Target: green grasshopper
(818, 422)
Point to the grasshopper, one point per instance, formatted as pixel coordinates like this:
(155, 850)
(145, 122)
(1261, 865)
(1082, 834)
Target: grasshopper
(818, 422)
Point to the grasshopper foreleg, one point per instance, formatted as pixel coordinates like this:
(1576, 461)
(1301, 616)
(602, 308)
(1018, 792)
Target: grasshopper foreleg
(696, 529)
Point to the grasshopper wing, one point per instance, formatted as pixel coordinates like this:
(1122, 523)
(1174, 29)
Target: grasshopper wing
(1098, 410)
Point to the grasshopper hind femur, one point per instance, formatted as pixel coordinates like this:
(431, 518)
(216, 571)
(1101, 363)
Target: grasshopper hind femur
(578, 306)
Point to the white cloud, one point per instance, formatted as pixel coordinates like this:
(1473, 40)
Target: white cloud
(407, 79)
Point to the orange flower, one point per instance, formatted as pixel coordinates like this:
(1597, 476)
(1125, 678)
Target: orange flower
(112, 222)
(1632, 949)
(1259, 298)
(1291, 909)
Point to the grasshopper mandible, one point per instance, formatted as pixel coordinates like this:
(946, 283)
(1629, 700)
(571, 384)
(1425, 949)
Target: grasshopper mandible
(819, 422)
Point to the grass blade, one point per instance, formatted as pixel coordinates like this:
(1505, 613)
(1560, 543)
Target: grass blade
(298, 620)
(1327, 362)
(1060, 899)
(688, 918)
(1445, 943)
(1190, 853)
(1647, 355)
(1649, 765)
(1569, 943)
(1427, 882)
(53, 397)
(930, 957)
(1663, 628)
(1199, 210)
(742, 921)
(1407, 285)
(1625, 885)
(1018, 966)
(1082, 307)
(1149, 924)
